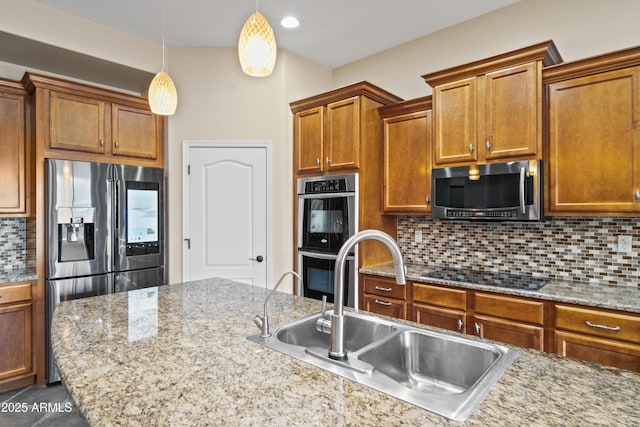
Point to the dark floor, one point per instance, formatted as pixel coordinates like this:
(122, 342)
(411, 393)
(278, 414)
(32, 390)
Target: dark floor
(50, 406)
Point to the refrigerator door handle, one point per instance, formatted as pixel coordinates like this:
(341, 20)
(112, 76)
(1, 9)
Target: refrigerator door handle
(116, 198)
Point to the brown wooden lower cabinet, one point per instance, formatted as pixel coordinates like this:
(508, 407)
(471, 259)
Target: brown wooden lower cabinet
(607, 337)
(445, 318)
(599, 350)
(16, 336)
(508, 331)
(601, 336)
(385, 306)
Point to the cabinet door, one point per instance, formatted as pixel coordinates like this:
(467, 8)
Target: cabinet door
(455, 122)
(308, 134)
(134, 132)
(508, 331)
(343, 134)
(512, 102)
(407, 163)
(453, 320)
(385, 306)
(12, 154)
(598, 350)
(594, 144)
(76, 123)
(15, 340)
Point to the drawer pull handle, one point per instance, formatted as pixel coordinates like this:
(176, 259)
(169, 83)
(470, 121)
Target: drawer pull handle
(382, 302)
(460, 325)
(608, 328)
(476, 327)
(380, 288)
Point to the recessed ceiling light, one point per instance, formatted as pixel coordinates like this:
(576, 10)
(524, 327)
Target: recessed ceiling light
(289, 22)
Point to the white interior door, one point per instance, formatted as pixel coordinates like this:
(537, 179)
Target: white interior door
(226, 213)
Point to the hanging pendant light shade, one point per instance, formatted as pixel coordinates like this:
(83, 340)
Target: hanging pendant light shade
(257, 46)
(162, 94)
(163, 98)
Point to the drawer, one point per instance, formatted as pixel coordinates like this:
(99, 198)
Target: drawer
(384, 287)
(13, 293)
(598, 323)
(386, 306)
(443, 297)
(509, 308)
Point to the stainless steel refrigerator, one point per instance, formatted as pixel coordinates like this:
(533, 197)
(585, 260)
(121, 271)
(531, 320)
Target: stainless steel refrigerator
(104, 232)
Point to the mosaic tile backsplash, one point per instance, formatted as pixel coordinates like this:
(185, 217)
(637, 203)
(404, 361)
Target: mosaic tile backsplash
(12, 243)
(574, 249)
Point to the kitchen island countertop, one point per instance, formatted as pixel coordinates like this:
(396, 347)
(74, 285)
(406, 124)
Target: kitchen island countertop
(178, 355)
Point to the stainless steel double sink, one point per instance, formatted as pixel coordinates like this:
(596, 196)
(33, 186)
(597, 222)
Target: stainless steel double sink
(444, 373)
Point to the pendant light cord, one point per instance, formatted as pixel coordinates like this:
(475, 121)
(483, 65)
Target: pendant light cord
(162, 12)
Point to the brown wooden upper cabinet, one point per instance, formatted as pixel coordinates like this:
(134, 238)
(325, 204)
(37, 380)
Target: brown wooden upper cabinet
(13, 149)
(490, 110)
(87, 123)
(593, 154)
(330, 129)
(407, 158)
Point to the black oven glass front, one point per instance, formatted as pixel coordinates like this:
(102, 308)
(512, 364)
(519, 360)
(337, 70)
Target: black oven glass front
(318, 278)
(325, 224)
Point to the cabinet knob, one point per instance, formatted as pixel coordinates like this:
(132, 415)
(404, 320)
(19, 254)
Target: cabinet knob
(117, 144)
(460, 325)
(102, 143)
(471, 148)
(637, 195)
(318, 161)
(428, 200)
(476, 326)
(327, 160)
(488, 144)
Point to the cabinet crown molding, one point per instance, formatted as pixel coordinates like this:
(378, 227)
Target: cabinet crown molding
(593, 65)
(406, 107)
(31, 81)
(546, 52)
(357, 89)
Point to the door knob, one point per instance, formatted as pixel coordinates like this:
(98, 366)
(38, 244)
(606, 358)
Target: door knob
(259, 258)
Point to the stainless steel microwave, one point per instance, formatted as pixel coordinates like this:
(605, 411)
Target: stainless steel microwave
(509, 191)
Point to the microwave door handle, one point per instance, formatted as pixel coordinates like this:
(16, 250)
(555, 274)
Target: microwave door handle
(521, 192)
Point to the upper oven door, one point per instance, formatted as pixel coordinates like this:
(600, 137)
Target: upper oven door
(325, 221)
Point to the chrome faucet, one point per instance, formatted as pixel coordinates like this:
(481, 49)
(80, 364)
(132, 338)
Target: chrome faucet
(335, 325)
(262, 322)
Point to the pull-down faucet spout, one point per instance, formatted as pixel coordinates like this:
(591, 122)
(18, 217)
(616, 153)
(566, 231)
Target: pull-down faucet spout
(335, 325)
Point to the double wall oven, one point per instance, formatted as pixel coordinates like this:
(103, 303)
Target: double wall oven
(327, 217)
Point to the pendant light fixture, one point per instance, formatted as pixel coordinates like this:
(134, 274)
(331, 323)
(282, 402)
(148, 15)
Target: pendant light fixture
(257, 46)
(163, 98)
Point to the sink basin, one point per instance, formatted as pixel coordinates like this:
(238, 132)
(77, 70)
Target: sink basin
(432, 363)
(445, 373)
(359, 332)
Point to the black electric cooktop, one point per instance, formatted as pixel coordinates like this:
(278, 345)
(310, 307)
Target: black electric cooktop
(490, 278)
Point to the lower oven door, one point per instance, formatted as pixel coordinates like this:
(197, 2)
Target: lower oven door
(317, 272)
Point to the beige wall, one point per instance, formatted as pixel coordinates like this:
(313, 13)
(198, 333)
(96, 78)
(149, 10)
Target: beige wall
(579, 28)
(217, 102)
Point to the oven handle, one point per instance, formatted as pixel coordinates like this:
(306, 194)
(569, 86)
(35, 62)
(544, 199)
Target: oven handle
(331, 257)
(326, 195)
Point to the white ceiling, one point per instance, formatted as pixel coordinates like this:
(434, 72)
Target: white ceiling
(331, 32)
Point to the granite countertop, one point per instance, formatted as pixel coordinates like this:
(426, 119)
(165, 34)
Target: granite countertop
(178, 355)
(18, 275)
(624, 298)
